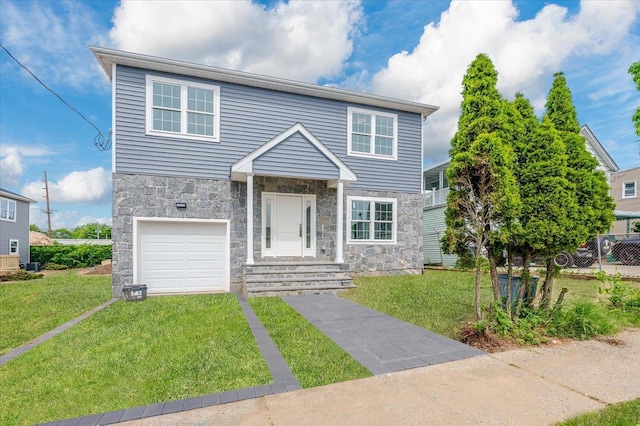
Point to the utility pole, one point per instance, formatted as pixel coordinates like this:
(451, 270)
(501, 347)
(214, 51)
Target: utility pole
(48, 211)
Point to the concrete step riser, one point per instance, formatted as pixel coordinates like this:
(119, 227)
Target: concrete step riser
(298, 277)
(293, 292)
(294, 268)
(299, 284)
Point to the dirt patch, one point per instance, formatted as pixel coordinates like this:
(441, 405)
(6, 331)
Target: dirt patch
(98, 270)
(611, 341)
(485, 340)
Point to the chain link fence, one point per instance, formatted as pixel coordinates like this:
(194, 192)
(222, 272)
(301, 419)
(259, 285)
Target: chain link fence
(612, 253)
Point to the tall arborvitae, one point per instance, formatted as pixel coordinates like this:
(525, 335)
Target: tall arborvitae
(595, 207)
(634, 70)
(483, 198)
(548, 198)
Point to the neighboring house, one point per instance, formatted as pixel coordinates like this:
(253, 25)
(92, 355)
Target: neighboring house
(437, 188)
(14, 229)
(624, 190)
(224, 179)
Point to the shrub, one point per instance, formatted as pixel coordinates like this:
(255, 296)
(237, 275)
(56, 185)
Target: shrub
(583, 321)
(55, 266)
(20, 276)
(74, 256)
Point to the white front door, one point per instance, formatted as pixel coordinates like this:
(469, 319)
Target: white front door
(288, 225)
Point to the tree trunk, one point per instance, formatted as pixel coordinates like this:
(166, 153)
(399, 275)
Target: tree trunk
(547, 286)
(493, 264)
(478, 279)
(526, 261)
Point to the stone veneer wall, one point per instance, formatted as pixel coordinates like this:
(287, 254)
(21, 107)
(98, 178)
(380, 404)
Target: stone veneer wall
(156, 196)
(404, 257)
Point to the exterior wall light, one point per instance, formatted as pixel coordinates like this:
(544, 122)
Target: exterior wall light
(181, 205)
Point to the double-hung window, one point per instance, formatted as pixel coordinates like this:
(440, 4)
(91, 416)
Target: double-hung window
(629, 190)
(7, 210)
(183, 109)
(372, 220)
(372, 134)
(14, 247)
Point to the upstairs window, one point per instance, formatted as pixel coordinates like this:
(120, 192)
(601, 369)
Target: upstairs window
(7, 210)
(629, 190)
(183, 109)
(372, 134)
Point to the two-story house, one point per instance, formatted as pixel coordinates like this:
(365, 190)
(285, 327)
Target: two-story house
(436, 189)
(230, 181)
(14, 230)
(624, 190)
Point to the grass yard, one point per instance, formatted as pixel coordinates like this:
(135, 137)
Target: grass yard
(623, 414)
(31, 308)
(442, 301)
(133, 354)
(314, 359)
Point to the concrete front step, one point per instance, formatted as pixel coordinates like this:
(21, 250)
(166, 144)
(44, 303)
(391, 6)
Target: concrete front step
(296, 277)
(294, 291)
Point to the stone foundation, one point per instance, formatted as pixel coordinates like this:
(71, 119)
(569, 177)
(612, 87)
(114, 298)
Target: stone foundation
(156, 196)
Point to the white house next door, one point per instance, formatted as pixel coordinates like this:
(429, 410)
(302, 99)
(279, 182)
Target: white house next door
(288, 225)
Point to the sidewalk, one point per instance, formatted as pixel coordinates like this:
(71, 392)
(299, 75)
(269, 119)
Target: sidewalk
(521, 387)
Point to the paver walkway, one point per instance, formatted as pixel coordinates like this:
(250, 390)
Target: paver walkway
(380, 343)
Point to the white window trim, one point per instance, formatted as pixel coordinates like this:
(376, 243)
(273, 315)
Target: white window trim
(372, 220)
(17, 246)
(184, 84)
(15, 209)
(371, 154)
(635, 189)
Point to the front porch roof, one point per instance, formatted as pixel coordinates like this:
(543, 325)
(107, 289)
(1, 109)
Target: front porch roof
(245, 166)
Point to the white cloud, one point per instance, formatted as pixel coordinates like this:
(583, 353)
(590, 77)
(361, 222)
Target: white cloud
(525, 54)
(51, 39)
(91, 219)
(296, 40)
(11, 166)
(89, 186)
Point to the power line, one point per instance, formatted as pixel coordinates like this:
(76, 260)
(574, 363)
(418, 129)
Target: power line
(102, 143)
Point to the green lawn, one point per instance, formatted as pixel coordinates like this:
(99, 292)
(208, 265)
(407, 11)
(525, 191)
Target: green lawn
(623, 414)
(314, 359)
(442, 301)
(131, 354)
(31, 308)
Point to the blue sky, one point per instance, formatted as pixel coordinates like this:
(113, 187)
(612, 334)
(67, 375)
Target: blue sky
(415, 50)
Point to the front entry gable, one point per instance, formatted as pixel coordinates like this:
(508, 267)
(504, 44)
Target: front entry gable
(295, 153)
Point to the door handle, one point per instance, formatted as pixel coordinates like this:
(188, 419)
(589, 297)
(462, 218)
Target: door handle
(300, 233)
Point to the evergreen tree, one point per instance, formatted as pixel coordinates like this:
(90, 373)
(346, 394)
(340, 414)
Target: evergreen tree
(483, 198)
(634, 70)
(548, 198)
(595, 207)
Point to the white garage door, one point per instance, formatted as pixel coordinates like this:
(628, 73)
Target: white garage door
(183, 257)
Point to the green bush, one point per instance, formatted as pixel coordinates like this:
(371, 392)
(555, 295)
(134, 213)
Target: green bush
(584, 320)
(20, 276)
(74, 256)
(55, 266)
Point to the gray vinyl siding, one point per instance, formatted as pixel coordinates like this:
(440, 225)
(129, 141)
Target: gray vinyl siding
(433, 227)
(308, 161)
(250, 117)
(18, 230)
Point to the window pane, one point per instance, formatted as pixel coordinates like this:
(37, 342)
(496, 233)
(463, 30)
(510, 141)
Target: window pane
(166, 95)
(384, 146)
(384, 126)
(199, 124)
(359, 230)
(384, 211)
(360, 210)
(361, 123)
(308, 230)
(200, 100)
(361, 143)
(383, 231)
(629, 189)
(167, 121)
(13, 246)
(267, 236)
